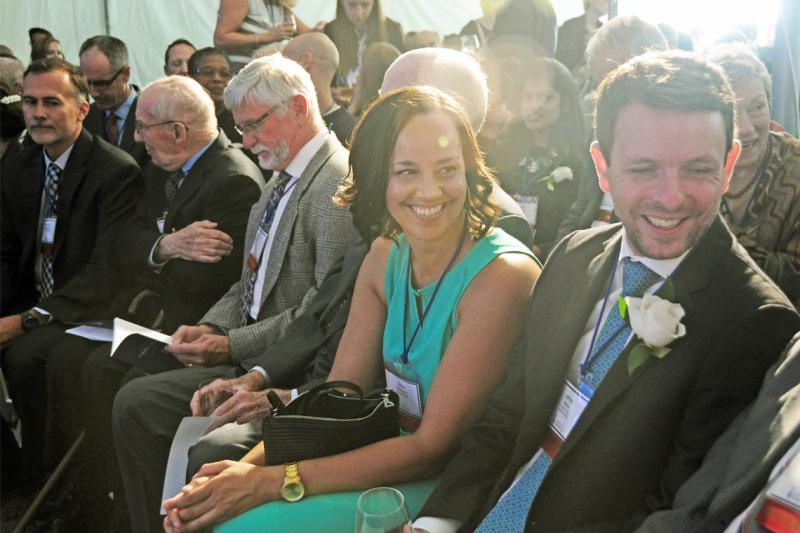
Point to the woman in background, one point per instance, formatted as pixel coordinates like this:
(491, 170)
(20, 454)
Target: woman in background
(538, 157)
(377, 59)
(358, 24)
(243, 26)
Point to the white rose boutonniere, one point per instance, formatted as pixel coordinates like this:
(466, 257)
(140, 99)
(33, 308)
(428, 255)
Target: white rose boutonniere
(558, 175)
(654, 320)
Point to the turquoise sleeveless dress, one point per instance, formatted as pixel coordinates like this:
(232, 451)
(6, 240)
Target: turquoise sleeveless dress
(336, 512)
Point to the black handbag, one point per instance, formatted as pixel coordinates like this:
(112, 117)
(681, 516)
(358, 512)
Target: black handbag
(324, 421)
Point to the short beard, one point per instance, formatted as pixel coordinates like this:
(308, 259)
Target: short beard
(271, 159)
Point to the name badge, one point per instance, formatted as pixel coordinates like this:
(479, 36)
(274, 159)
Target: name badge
(570, 407)
(409, 392)
(530, 206)
(48, 234)
(160, 224)
(256, 250)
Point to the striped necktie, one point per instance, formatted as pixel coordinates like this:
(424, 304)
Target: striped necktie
(251, 270)
(51, 193)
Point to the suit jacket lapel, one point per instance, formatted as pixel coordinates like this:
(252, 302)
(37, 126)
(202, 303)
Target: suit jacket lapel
(286, 223)
(31, 185)
(693, 274)
(70, 181)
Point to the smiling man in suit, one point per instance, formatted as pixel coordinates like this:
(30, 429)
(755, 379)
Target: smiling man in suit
(294, 235)
(65, 201)
(608, 408)
(104, 62)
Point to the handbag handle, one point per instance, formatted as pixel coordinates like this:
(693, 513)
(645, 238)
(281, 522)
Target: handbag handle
(314, 393)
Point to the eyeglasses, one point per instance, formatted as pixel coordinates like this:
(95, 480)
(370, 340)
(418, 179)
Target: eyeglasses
(141, 126)
(210, 72)
(102, 85)
(251, 127)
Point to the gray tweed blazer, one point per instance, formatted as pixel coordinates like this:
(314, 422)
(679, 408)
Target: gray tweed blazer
(311, 236)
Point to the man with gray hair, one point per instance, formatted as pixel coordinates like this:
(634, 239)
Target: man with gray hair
(317, 54)
(295, 234)
(617, 41)
(104, 62)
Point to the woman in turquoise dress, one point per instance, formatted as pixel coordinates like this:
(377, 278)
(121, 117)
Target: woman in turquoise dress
(439, 302)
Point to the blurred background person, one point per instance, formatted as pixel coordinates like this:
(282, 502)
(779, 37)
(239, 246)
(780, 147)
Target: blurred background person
(358, 24)
(245, 25)
(47, 47)
(574, 34)
(762, 204)
(538, 157)
(483, 27)
(377, 59)
(176, 57)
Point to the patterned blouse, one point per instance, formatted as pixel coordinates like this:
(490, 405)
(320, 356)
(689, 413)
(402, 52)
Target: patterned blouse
(770, 227)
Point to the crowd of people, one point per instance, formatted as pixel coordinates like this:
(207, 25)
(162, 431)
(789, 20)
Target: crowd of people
(576, 251)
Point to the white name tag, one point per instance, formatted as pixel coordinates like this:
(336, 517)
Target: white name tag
(258, 244)
(786, 487)
(48, 230)
(530, 206)
(570, 407)
(160, 224)
(408, 392)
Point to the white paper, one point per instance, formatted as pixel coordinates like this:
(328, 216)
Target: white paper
(93, 333)
(189, 431)
(786, 488)
(123, 328)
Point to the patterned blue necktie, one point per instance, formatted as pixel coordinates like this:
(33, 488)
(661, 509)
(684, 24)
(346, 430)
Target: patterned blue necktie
(250, 275)
(509, 514)
(51, 195)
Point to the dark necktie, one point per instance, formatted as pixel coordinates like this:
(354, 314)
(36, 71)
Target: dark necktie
(251, 271)
(171, 185)
(51, 192)
(112, 130)
(510, 512)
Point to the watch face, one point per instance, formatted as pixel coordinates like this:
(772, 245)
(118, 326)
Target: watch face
(293, 491)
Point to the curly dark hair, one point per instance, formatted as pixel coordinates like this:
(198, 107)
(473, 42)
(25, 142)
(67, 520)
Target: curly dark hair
(373, 141)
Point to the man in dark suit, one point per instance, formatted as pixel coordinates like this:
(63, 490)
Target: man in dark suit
(607, 408)
(65, 201)
(730, 489)
(104, 62)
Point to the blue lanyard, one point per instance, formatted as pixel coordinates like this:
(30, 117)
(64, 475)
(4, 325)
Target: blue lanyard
(407, 344)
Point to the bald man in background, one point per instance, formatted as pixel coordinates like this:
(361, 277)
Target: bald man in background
(317, 54)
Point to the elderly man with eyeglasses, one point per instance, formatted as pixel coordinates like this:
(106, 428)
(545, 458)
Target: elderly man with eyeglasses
(104, 62)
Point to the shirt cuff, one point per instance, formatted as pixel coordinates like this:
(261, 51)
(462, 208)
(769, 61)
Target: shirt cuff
(437, 525)
(263, 372)
(151, 260)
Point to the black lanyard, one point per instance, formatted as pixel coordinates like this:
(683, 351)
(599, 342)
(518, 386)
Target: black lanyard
(407, 344)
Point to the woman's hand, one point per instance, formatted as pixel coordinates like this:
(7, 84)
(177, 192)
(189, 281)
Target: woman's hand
(220, 491)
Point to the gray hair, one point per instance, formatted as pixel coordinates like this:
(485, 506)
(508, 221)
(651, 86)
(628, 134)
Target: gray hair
(11, 70)
(111, 47)
(183, 99)
(455, 73)
(629, 33)
(272, 80)
(740, 63)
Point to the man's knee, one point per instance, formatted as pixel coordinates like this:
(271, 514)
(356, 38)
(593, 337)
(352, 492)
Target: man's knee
(231, 441)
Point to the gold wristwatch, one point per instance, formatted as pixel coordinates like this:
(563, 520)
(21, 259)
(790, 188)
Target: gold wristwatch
(292, 489)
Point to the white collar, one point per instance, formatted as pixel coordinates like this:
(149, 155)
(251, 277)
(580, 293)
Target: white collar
(300, 161)
(662, 267)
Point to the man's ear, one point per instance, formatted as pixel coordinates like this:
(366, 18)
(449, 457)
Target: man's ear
(298, 106)
(730, 164)
(181, 132)
(126, 73)
(600, 166)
